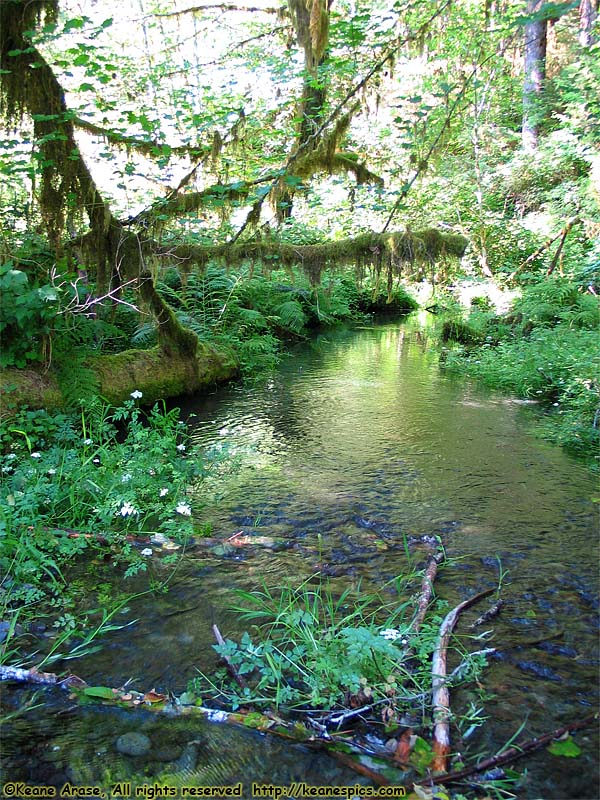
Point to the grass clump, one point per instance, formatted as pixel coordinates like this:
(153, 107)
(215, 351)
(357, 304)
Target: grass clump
(313, 649)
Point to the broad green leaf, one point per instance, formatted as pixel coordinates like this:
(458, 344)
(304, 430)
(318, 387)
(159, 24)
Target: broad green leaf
(565, 747)
(103, 692)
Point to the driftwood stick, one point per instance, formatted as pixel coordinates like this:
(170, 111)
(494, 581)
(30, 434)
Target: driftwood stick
(230, 667)
(492, 612)
(44, 678)
(435, 559)
(513, 753)
(440, 694)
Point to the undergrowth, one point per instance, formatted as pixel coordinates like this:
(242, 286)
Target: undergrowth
(103, 485)
(546, 349)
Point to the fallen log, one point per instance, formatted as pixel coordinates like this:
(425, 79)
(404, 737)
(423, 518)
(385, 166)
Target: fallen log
(440, 693)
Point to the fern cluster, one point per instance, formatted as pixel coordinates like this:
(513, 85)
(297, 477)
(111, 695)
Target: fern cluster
(252, 313)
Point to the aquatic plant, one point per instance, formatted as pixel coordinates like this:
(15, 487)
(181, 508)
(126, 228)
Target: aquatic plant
(314, 649)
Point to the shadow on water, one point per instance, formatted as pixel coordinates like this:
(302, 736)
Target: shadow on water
(357, 445)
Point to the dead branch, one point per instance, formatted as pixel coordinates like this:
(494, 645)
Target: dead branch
(435, 559)
(488, 615)
(562, 233)
(230, 667)
(440, 693)
(513, 753)
(44, 678)
(361, 769)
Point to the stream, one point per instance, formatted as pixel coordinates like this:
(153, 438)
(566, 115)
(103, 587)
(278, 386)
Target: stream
(358, 445)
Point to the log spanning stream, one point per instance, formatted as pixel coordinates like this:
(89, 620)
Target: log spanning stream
(357, 443)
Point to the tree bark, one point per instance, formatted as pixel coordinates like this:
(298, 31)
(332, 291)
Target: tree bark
(588, 11)
(534, 76)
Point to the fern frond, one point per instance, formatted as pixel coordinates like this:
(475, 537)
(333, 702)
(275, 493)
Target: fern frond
(251, 317)
(144, 335)
(291, 315)
(77, 382)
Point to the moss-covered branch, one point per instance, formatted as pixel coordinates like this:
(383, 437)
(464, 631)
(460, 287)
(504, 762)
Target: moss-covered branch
(148, 147)
(385, 252)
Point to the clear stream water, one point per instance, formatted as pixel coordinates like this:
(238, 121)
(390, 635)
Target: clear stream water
(358, 443)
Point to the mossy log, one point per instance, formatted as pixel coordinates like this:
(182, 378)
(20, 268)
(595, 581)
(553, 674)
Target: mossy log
(153, 372)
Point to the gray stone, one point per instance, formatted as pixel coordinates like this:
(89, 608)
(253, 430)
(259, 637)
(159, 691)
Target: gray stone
(133, 744)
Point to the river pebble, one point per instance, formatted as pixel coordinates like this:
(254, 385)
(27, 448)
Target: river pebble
(133, 744)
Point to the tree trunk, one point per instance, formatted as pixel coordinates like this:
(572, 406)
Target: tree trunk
(588, 11)
(534, 76)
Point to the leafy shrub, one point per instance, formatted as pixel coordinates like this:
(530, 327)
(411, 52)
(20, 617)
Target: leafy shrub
(314, 648)
(27, 314)
(530, 180)
(557, 300)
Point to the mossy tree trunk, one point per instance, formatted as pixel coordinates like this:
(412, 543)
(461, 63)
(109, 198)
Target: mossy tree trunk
(115, 252)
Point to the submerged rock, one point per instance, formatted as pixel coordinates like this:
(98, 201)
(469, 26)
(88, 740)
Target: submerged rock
(539, 670)
(133, 744)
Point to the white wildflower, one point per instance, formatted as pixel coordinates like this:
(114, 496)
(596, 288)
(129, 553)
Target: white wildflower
(126, 478)
(96, 460)
(11, 456)
(147, 551)
(36, 455)
(390, 633)
(51, 471)
(184, 509)
(127, 510)
(136, 394)
(181, 447)
(88, 441)
(163, 492)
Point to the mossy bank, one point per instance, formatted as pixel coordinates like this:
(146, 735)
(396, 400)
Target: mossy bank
(153, 372)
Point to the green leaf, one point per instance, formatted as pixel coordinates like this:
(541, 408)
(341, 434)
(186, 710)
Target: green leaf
(565, 747)
(103, 692)
(422, 754)
(74, 24)
(87, 87)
